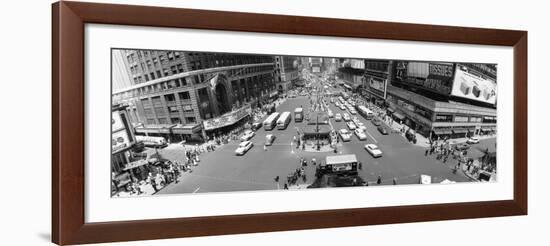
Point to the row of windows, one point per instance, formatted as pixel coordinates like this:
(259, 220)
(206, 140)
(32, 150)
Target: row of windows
(465, 118)
(172, 120)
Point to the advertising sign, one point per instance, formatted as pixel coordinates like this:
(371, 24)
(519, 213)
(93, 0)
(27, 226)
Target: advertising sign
(119, 141)
(470, 86)
(377, 84)
(436, 77)
(116, 121)
(227, 119)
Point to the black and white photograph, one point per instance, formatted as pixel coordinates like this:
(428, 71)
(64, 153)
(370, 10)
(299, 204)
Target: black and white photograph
(188, 122)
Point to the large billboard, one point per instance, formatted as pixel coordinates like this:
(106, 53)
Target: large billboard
(471, 86)
(377, 84)
(227, 119)
(436, 77)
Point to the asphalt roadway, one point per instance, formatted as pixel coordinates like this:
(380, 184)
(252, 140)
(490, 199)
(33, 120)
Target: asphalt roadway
(223, 171)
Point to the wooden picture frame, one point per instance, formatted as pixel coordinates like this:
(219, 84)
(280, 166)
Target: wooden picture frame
(68, 223)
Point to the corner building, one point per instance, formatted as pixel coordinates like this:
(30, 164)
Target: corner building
(443, 100)
(173, 92)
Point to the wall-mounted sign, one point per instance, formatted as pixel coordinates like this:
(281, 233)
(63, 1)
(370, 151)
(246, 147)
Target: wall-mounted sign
(119, 141)
(471, 86)
(227, 119)
(116, 121)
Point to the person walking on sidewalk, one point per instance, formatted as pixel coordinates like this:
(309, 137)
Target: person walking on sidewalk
(379, 180)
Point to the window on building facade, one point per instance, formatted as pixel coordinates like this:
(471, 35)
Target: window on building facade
(170, 55)
(156, 100)
(165, 71)
(177, 54)
(146, 77)
(163, 121)
(173, 69)
(150, 121)
(184, 95)
(190, 120)
(148, 112)
(175, 120)
(187, 108)
(155, 61)
(443, 117)
(475, 119)
(173, 109)
(489, 119)
(461, 118)
(180, 68)
(170, 98)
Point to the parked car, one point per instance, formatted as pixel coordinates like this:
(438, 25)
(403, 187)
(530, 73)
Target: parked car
(269, 139)
(462, 146)
(375, 121)
(330, 114)
(244, 147)
(345, 135)
(338, 117)
(382, 130)
(351, 125)
(248, 134)
(360, 134)
(373, 150)
(473, 140)
(256, 126)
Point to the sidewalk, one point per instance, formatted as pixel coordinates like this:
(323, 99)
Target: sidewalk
(424, 141)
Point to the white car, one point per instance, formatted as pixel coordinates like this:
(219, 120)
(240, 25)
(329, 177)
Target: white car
(360, 134)
(338, 117)
(473, 140)
(342, 107)
(353, 111)
(373, 150)
(243, 147)
(351, 125)
(248, 134)
(347, 117)
(330, 114)
(345, 135)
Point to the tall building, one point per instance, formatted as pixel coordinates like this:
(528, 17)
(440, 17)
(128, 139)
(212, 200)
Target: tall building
(174, 92)
(351, 73)
(444, 100)
(316, 64)
(377, 74)
(286, 72)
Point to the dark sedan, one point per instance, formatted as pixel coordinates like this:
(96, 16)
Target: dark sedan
(382, 130)
(462, 146)
(376, 122)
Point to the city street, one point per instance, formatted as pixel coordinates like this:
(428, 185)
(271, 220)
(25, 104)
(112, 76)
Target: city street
(222, 171)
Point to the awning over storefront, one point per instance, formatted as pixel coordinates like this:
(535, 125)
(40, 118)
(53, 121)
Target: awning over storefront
(312, 130)
(135, 164)
(460, 130)
(442, 131)
(348, 87)
(227, 119)
(399, 115)
(154, 129)
(187, 129)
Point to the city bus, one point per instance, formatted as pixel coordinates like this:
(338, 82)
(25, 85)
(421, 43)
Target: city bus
(154, 142)
(271, 120)
(283, 120)
(340, 165)
(365, 112)
(298, 114)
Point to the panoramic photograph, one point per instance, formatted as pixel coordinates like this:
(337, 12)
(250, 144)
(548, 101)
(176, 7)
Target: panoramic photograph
(186, 122)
